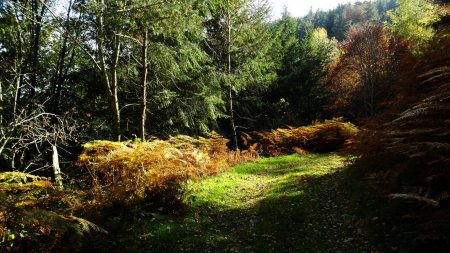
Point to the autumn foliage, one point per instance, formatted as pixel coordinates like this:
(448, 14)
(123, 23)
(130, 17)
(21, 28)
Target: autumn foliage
(405, 151)
(417, 137)
(319, 137)
(128, 172)
(36, 217)
(110, 176)
(361, 78)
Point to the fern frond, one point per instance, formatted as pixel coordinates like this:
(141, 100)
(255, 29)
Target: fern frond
(19, 177)
(414, 197)
(86, 225)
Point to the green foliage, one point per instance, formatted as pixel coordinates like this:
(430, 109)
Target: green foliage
(183, 95)
(339, 20)
(413, 19)
(301, 78)
(251, 105)
(238, 41)
(285, 33)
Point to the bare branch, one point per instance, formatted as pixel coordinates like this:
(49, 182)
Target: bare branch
(129, 37)
(71, 37)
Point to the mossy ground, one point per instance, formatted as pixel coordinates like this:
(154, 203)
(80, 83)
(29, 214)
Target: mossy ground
(282, 204)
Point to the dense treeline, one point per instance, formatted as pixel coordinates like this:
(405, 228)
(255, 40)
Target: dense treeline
(118, 69)
(338, 21)
(115, 69)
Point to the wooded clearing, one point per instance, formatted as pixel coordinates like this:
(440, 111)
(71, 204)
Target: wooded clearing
(210, 126)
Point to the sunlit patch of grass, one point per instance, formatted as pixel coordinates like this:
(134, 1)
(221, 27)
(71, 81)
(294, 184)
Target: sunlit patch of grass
(259, 206)
(264, 178)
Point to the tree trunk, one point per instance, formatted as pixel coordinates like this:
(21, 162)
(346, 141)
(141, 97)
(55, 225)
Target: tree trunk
(17, 66)
(56, 169)
(114, 87)
(116, 118)
(35, 34)
(143, 103)
(59, 75)
(17, 93)
(232, 125)
(1, 109)
(110, 84)
(34, 53)
(57, 81)
(230, 83)
(3, 139)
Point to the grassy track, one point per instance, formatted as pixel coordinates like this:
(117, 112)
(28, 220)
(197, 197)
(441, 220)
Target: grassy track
(282, 204)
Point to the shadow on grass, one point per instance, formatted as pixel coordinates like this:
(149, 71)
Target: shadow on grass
(295, 214)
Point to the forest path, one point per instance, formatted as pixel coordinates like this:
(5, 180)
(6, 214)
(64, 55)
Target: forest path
(282, 204)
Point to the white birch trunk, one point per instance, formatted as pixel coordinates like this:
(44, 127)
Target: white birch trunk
(56, 169)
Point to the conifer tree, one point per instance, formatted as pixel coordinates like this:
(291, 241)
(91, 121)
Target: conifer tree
(238, 41)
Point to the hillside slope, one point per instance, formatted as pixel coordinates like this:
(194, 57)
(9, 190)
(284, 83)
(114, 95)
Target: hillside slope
(406, 151)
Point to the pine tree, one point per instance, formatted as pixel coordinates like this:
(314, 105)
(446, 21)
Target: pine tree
(238, 40)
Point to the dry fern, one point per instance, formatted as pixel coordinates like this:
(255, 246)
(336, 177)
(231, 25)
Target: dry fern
(406, 150)
(129, 172)
(31, 208)
(319, 137)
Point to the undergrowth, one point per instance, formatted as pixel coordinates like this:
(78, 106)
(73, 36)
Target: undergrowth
(153, 173)
(129, 179)
(327, 136)
(405, 152)
(36, 217)
(112, 178)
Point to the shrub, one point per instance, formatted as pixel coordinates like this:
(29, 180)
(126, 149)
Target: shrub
(124, 173)
(319, 137)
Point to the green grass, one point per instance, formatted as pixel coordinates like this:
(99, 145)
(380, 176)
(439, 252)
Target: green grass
(271, 205)
(264, 179)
